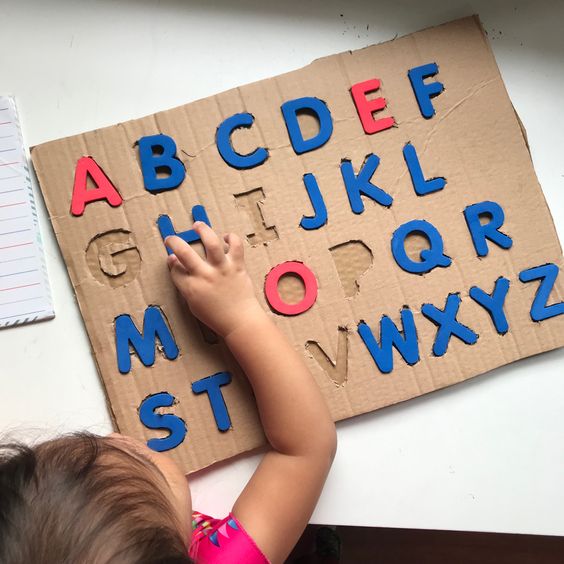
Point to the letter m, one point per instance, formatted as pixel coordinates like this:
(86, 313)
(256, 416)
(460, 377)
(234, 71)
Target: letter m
(144, 344)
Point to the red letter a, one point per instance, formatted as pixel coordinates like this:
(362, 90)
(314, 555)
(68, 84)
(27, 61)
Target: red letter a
(104, 190)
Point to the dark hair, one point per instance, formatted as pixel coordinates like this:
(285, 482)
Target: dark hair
(62, 502)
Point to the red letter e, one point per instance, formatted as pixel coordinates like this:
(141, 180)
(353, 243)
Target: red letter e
(366, 108)
(105, 190)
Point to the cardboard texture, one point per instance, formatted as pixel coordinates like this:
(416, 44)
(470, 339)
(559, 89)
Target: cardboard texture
(472, 138)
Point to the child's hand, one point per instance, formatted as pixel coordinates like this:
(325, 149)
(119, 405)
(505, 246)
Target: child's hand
(218, 289)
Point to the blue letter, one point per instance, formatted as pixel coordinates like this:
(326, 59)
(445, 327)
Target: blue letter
(547, 274)
(493, 303)
(223, 142)
(447, 324)
(360, 184)
(390, 336)
(211, 385)
(420, 185)
(166, 228)
(424, 92)
(154, 325)
(430, 258)
(316, 106)
(157, 153)
(152, 420)
(319, 217)
(488, 230)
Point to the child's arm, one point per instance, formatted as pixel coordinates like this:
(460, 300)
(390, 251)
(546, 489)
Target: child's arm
(278, 501)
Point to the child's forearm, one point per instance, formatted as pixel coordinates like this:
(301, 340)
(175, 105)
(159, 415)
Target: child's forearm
(292, 409)
(277, 503)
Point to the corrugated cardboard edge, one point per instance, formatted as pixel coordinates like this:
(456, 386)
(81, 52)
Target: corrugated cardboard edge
(313, 61)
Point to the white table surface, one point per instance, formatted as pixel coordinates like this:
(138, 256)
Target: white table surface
(485, 455)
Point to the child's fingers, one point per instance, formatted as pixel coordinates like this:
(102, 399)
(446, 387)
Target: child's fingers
(214, 247)
(170, 261)
(236, 250)
(184, 253)
(177, 273)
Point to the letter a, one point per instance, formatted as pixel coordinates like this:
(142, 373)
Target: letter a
(105, 190)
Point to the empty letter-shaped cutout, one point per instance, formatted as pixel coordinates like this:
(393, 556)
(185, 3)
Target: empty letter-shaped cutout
(252, 202)
(113, 258)
(335, 370)
(166, 421)
(87, 167)
(352, 259)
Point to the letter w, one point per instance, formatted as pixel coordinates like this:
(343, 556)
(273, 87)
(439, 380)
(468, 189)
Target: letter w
(404, 341)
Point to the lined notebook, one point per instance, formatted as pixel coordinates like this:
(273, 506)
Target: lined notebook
(24, 287)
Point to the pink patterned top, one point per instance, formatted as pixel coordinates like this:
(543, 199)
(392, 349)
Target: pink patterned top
(222, 541)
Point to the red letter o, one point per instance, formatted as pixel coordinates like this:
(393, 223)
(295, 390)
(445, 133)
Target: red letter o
(273, 296)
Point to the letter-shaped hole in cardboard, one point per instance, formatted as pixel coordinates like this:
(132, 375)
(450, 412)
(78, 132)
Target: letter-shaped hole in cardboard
(335, 370)
(352, 259)
(252, 202)
(113, 258)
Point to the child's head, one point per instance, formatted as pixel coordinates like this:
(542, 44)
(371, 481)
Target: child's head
(89, 499)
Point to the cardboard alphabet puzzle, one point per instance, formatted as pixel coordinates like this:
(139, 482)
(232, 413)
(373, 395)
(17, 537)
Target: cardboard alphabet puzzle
(394, 228)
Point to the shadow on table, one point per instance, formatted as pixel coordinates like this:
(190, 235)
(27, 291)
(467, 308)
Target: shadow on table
(362, 545)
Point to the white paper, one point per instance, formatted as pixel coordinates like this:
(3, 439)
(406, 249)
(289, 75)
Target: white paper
(24, 286)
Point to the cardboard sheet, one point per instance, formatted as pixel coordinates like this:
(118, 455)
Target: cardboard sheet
(361, 248)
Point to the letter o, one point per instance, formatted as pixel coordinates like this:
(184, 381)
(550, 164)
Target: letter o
(273, 296)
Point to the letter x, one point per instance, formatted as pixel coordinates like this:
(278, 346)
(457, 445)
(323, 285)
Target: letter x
(447, 324)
